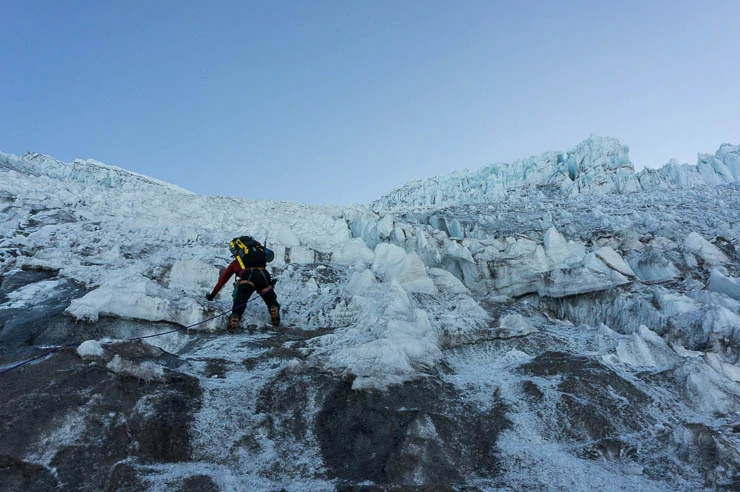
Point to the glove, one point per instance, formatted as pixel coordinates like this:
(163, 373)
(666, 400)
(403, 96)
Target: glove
(209, 297)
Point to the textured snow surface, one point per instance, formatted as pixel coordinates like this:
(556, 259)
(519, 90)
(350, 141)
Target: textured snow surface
(463, 277)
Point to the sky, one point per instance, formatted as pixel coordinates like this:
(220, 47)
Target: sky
(337, 102)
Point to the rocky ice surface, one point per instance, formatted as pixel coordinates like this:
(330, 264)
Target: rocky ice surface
(559, 323)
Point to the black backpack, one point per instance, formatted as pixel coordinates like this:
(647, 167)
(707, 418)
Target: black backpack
(249, 252)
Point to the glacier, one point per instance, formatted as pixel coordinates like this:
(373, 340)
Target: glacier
(558, 323)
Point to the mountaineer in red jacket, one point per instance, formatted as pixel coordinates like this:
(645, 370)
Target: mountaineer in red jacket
(249, 266)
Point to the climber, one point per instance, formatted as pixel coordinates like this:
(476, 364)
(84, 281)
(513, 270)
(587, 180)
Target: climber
(250, 259)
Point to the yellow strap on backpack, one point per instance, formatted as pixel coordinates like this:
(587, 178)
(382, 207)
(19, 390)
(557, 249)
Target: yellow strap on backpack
(244, 248)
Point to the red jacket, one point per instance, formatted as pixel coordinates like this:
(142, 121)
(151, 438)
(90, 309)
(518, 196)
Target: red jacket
(234, 268)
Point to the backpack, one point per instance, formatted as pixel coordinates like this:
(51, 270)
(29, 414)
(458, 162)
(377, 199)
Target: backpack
(249, 252)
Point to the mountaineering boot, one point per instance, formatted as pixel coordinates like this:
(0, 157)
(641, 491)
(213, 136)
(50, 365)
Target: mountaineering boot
(233, 324)
(275, 315)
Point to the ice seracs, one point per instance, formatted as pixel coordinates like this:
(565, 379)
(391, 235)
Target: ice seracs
(718, 282)
(599, 165)
(695, 244)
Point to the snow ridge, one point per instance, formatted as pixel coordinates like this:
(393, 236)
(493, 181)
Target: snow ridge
(87, 172)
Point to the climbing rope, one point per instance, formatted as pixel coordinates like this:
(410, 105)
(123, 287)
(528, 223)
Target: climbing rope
(75, 345)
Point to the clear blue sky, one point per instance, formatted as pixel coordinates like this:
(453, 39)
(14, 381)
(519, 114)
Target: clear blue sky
(344, 101)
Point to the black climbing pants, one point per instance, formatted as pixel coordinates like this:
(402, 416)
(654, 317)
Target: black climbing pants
(251, 280)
